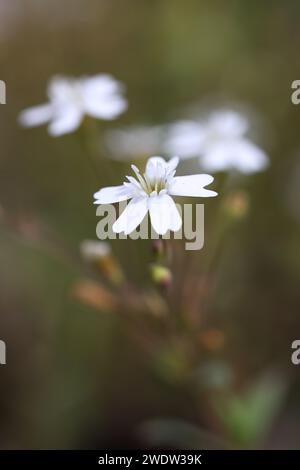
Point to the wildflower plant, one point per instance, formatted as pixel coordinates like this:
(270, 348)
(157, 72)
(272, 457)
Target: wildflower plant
(167, 316)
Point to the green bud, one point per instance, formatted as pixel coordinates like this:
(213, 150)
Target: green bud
(161, 275)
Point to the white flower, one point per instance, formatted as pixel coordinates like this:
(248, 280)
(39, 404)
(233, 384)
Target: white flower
(220, 143)
(134, 141)
(187, 137)
(70, 99)
(152, 192)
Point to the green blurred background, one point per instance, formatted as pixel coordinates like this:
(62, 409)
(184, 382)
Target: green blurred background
(74, 378)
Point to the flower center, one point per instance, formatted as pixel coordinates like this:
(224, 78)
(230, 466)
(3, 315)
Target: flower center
(155, 184)
(75, 93)
(214, 136)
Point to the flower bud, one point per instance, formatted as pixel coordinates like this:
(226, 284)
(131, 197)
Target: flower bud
(161, 275)
(158, 247)
(94, 295)
(99, 254)
(212, 339)
(237, 204)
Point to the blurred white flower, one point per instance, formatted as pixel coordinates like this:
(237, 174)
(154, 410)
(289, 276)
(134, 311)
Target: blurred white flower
(187, 137)
(220, 143)
(70, 99)
(134, 141)
(152, 192)
(93, 249)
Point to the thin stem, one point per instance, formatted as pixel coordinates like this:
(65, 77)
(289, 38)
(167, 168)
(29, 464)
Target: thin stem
(88, 142)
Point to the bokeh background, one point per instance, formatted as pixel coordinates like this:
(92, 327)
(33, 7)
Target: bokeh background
(75, 378)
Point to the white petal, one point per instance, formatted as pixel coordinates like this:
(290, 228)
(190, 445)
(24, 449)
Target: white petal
(152, 162)
(228, 123)
(249, 157)
(164, 214)
(156, 168)
(218, 157)
(107, 108)
(185, 138)
(112, 194)
(102, 97)
(172, 165)
(36, 115)
(67, 120)
(93, 249)
(61, 89)
(192, 185)
(101, 85)
(239, 154)
(132, 215)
